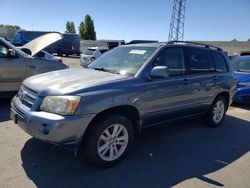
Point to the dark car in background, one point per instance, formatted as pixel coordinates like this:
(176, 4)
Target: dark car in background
(241, 66)
(68, 45)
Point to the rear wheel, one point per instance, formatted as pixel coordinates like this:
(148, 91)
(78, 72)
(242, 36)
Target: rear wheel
(59, 53)
(109, 140)
(216, 112)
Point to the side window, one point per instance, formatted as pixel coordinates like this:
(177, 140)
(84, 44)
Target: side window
(3, 51)
(219, 62)
(198, 60)
(173, 59)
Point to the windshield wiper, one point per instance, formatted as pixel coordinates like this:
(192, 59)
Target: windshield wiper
(106, 70)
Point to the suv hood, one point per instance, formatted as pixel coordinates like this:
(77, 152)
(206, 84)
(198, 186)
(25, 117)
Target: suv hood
(42, 42)
(68, 81)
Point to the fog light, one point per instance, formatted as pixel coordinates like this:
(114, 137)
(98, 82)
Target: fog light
(45, 129)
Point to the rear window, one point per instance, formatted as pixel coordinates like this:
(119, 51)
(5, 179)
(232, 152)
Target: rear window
(89, 51)
(198, 60)
(219, 62)
(103, 51)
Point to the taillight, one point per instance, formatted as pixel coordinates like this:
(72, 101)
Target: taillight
(92, 58)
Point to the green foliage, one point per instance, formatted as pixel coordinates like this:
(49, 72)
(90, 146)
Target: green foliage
(10, 27)
(87, 29)
(70, 27)
(8, 31)
(81, 30)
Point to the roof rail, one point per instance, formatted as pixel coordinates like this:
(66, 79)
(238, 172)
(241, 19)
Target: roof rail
(195, 43)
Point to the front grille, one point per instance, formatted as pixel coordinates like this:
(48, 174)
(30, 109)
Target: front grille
(27, 96)
(246, 98)
(19, 112)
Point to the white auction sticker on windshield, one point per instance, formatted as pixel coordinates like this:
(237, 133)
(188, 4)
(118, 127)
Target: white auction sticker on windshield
(139, 52)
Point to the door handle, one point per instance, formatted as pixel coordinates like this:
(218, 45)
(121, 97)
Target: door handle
(32, 66)
(215, 77)
(185, 81)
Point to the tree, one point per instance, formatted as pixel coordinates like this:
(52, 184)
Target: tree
(87, 29)
(70, 27)
(9, 31)
(81, 30)
(73, 29)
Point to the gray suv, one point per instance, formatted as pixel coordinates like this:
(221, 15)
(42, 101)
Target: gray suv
(100, 110)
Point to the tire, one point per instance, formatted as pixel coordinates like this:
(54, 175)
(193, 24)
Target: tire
(59, 53)
(99, 141)
(217, 111)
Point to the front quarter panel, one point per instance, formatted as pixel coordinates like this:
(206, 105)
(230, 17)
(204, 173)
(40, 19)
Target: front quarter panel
(95, 101)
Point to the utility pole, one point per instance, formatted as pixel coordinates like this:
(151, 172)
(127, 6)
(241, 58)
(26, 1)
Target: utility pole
(176, 31)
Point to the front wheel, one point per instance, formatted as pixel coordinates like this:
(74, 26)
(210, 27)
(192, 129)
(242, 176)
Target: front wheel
(109, 140)
(216, 112)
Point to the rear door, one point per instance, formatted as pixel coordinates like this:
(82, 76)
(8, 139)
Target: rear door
(202, 78)
(12, 70)
(168, 98)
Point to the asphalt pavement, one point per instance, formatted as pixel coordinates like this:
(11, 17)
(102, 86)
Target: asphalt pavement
(186, 154)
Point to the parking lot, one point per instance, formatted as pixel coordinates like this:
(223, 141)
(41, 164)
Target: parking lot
(187, 154)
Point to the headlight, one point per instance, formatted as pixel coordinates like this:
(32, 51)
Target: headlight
(64, 105)
(246, 84)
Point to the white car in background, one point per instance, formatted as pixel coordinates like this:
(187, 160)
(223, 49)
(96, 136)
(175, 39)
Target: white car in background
(91, 54)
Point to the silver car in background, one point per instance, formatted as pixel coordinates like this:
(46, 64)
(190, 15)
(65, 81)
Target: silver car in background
(91, 54)
(16, 65)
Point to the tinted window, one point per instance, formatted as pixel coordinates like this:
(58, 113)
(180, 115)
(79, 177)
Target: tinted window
(71, 37)
(173, 59)
(219, 62)
(103, 51)
(28, 36)
(198, 60)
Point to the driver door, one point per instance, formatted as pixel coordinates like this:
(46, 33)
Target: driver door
(12, 70)
(168, 98)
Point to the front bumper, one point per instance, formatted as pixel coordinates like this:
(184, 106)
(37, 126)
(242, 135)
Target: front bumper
(65, 131)
(242, 95)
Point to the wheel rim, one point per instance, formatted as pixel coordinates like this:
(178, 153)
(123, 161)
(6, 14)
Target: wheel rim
(112, 142)
(218, 111)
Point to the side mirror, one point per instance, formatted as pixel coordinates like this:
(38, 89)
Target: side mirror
(159, 72)
(12, 53)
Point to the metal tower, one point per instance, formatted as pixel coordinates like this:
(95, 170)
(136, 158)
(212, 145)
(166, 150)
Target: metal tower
(176, 31)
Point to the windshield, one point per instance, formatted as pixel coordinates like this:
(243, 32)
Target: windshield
(242, 66)
(124, 60)
(16, 39)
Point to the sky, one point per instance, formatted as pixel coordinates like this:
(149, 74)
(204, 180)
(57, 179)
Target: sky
(133, 19)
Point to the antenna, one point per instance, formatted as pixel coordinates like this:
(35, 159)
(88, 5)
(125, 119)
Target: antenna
(176, 31)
